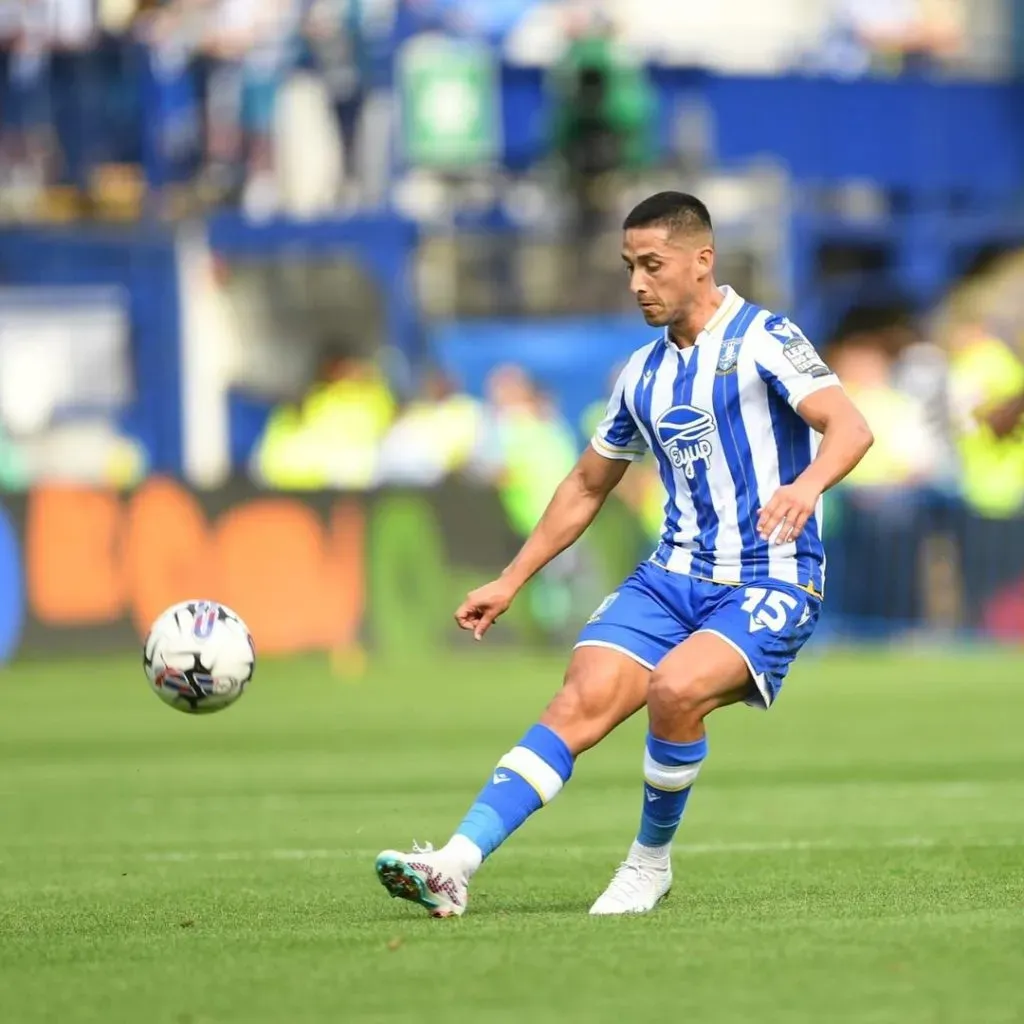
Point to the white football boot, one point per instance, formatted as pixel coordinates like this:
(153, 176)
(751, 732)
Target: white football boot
(432, 878)
(639, 884)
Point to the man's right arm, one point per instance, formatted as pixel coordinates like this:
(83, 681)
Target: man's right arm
(571, 510)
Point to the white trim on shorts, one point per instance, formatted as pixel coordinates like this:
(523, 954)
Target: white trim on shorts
(615, 647)
(766, 697)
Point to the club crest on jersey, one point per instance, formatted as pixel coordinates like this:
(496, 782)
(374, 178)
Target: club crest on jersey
(728, 356)
(683, 432)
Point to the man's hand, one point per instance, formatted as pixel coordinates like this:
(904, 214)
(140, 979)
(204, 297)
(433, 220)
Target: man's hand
(484, 605)
(788, 511)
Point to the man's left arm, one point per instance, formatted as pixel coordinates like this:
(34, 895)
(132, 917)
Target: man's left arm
(846, 438)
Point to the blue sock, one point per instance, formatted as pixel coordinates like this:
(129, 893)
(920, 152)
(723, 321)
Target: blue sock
(526, 778)
(670, 769)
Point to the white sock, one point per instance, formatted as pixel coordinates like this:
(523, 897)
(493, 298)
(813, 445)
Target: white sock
(465, 852)
(660, 856)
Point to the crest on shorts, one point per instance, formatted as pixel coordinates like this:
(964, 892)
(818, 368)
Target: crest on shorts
(603, 607)
(728, 356)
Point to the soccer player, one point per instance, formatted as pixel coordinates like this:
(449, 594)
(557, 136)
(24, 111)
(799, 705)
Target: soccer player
(749, 428)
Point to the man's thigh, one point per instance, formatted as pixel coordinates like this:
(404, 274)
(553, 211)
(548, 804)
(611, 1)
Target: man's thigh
(607, 680)
(602, 688)
(644, 619)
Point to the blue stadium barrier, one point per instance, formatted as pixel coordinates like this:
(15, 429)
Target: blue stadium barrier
(913, 134)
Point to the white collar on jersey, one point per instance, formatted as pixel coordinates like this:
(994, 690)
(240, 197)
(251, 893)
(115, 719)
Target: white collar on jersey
(721, 319)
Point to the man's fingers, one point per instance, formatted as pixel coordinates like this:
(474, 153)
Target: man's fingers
(466, 615)
(799, 522)
(770, 520)
(783, 522)
(485, 623)
(769, 516)
(783, 528)
(794, 522)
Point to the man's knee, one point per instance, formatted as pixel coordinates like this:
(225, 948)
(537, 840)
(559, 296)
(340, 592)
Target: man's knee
(699, 676)
(681, 696)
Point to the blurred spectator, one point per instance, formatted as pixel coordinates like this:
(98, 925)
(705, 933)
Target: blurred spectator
(876, 508)
(530, 451)
(886, 335)
(171, 32)
(603, 111)
(37, 29)
(987, 381)
(604, 115)
(921, 371)
(436, 435)
(331, 439)
(891, 36)
(531, 448)
(335, 35)
(250, 46)
(904, 453)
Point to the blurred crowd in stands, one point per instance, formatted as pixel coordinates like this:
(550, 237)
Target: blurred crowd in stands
(246, 91)
(938, 503)
(293, 106)
(943, 393)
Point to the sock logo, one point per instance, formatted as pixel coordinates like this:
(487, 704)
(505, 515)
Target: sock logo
(499, 777)
(651, 795)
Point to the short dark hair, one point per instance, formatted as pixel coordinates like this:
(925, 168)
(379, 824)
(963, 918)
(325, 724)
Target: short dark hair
(678, 211)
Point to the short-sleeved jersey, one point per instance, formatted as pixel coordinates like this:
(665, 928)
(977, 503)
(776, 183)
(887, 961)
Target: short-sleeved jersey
(721, 420)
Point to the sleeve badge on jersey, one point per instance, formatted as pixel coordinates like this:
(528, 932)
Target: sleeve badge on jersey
(728, 356)
(796, 348)
(804, 357)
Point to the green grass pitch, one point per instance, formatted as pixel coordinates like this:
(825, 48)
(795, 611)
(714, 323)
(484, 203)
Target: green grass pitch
(857, 855)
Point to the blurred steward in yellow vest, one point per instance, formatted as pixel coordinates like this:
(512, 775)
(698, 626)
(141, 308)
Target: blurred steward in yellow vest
(987, 386)
(904, 452)
(436, 435)
(332, 438)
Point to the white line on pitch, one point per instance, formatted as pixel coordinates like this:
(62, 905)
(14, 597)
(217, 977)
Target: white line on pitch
(692, 849)
(682, 850)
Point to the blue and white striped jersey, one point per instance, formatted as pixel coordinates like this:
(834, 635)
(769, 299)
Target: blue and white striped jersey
(721, 420)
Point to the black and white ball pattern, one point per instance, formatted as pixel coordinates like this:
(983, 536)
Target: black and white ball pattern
(199, 657)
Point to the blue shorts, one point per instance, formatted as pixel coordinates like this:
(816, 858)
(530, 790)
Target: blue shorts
(656, 610)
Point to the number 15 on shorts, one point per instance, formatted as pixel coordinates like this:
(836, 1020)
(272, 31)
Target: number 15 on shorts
(771, 609)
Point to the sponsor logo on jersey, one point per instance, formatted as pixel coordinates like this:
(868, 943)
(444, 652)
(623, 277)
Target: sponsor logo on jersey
(683, 432)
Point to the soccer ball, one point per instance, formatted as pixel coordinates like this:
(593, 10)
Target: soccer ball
(199, 657)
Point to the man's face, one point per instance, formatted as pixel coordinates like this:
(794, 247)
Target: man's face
(665, 270)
